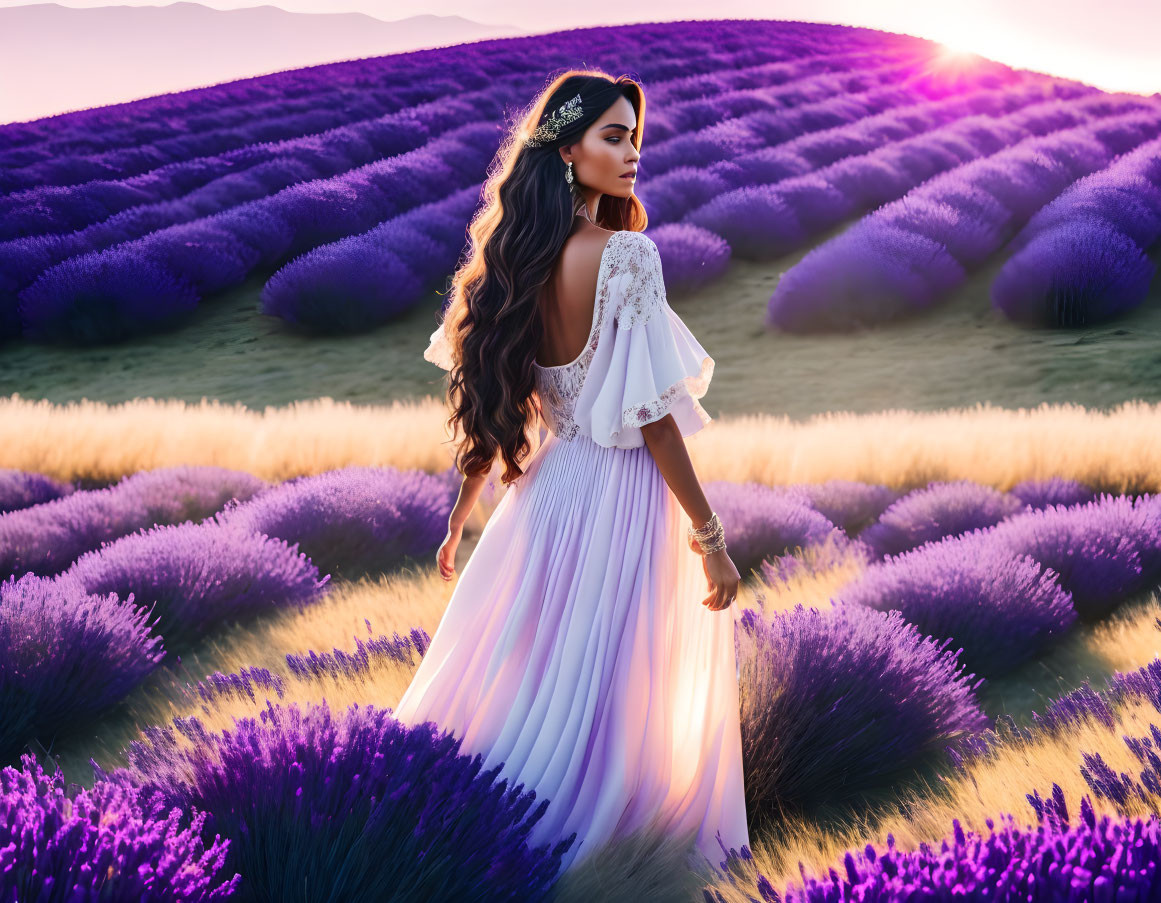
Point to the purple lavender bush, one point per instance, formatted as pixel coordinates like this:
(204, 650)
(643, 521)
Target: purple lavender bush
(110, 842)
(691, 256)
(755, 220)
(360, 281)
(45, 539)
(848, 504)
(836, 703)
(1080, 273)
(1055, 491)
(1000, 609)
(1083, 258)
(352, 521)
(1102, 550)
(866, 279)
(762, 521)
(66, 657)
(24, 488)
(105, 296)
(192, 577)
(353, 806)
(939, 510)
(672, 193)
(1096, 859)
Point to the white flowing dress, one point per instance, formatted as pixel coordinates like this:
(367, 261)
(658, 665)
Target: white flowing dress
(575, 649)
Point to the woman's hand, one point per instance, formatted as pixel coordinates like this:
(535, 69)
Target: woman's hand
(446, 556)
(723, 579)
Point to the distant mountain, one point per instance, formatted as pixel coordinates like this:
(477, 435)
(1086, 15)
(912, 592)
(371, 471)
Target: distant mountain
(56, 58)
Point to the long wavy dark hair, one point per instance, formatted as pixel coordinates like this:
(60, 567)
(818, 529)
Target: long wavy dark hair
(493, 320)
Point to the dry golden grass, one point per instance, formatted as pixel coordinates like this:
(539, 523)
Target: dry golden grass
(1119, 450)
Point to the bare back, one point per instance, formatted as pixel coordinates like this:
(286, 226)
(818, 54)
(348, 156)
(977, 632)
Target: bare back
(568, 299)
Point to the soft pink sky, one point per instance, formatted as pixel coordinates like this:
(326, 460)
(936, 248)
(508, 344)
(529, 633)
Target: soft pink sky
(1112, 44)
(50, 64)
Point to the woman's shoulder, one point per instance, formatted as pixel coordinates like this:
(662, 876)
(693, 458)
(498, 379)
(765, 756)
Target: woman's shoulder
(584, 249)
(597, 239)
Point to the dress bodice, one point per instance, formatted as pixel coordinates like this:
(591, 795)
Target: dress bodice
(639, 362)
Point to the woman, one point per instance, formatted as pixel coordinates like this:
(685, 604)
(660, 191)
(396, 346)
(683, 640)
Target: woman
(573, 649)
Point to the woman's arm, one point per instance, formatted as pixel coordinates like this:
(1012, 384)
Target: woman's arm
(445, 556)
(667, 446)
(470, 490)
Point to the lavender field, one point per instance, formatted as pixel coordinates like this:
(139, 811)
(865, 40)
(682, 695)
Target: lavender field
(929, 283)
(316, 214)
(949, 638)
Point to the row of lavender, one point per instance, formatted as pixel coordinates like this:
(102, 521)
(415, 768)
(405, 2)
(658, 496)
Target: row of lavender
(297, 786)
(764, 202)
(1083, 205)
(796, 146)
(46, 524)
(104, 555)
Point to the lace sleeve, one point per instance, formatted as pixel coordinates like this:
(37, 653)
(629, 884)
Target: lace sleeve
(650, 363)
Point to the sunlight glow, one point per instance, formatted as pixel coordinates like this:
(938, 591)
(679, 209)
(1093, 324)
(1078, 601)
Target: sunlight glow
(957, 51)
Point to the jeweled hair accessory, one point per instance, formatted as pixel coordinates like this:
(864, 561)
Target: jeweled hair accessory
(548, 130)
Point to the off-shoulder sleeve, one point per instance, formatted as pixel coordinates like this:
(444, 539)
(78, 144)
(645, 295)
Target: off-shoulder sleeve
(647, 363)
(439, 349)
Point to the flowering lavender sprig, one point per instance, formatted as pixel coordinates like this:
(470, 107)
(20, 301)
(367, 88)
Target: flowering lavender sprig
(111, 842)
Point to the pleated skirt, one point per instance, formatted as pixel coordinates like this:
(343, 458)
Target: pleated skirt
(576, 653)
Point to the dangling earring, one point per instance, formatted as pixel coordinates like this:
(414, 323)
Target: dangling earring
(568, 172)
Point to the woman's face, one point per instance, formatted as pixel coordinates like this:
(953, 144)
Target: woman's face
(605, 153)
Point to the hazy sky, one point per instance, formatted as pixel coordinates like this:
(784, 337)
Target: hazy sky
(1112, 44)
